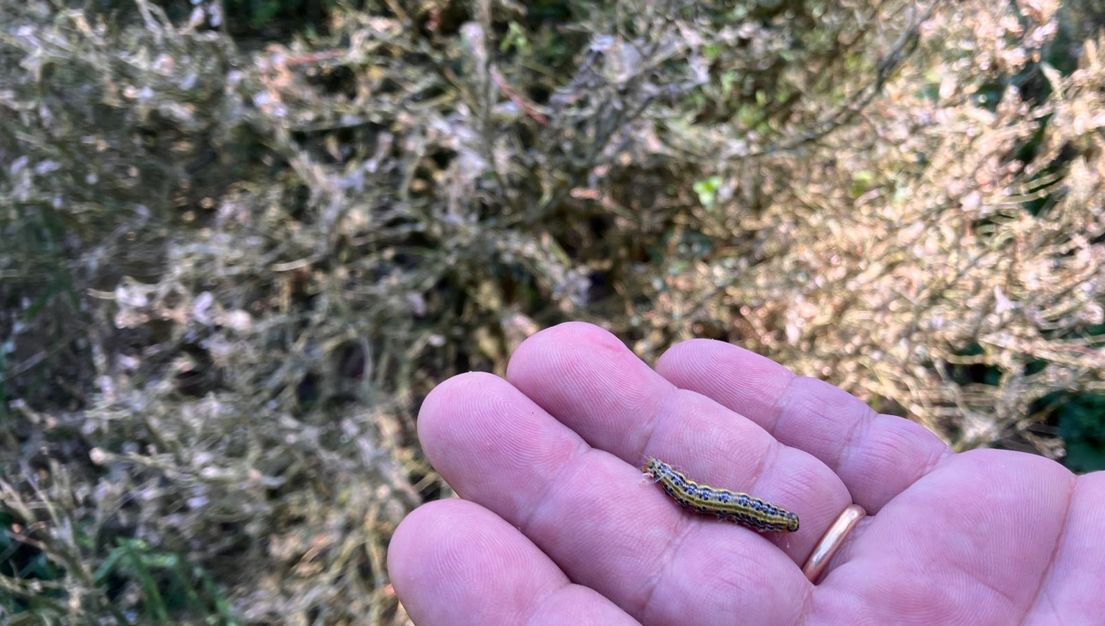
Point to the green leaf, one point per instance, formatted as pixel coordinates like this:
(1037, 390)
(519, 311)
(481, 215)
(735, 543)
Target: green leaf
(707, 189)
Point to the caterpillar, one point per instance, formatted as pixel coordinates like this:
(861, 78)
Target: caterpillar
(732, 506)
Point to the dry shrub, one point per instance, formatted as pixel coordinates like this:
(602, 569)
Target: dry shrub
(957, 224)
(261, 259)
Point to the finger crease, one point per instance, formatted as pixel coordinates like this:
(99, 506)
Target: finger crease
(856, 433)
(1054, 552)
(807, 607)
(550, 484)
(651, 424)
(765, 460)
(537, 606)
(686, 525)
(780, 406)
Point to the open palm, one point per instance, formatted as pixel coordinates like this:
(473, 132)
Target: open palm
(557, 525)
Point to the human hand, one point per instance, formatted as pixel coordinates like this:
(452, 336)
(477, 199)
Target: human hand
(557, 525)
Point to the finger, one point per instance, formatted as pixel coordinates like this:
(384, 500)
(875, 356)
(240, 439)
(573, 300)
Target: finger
(968, 543)
(877, 456)
(454, 562)
(596, 517)
(1071, 587)
(591, 382)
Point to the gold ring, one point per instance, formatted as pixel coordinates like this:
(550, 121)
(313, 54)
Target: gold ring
(831, 541)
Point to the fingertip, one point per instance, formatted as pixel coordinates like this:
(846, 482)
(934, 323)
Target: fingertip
(415, 537)
(443, 398)
(590, 381)
(682, 355)
(443, 553)
(533, 355)
(449, 407)
(455, 562)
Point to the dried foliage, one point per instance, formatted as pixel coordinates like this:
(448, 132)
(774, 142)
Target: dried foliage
(231, 270)
(957, 224)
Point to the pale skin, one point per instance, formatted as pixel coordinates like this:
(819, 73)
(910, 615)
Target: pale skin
(555, 524)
